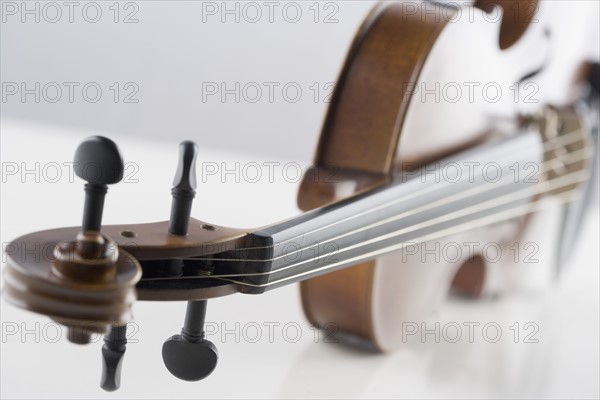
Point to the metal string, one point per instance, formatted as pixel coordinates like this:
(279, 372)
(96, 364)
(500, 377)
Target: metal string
(563, 140)
(482, 188)
(523, 209)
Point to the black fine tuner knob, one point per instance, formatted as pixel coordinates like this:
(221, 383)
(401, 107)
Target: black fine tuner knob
(188, 356)
(99, 163)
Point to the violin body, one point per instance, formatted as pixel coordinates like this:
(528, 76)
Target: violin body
(411, 100)
(371, 137)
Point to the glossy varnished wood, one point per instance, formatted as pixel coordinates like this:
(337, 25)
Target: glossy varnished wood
(33, 283)
(153, 241)
(361, 135)
(31, 274)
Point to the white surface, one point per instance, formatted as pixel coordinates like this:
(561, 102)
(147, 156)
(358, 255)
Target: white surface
(564, 362)
(176, 46)
(172, 49)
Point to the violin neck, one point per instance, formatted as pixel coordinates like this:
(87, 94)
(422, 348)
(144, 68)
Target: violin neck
(447, 197)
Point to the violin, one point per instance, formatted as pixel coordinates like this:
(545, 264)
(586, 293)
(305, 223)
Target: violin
(407, 156)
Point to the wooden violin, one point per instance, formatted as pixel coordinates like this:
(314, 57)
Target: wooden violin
(397, 165)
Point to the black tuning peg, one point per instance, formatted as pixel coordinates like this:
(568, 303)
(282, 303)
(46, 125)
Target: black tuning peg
(99, 163)
(183, 193)
(184, 189)
(188, 356)
(113, 351)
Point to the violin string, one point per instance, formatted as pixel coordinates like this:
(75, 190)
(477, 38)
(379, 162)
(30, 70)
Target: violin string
(548, 189)
(523, 210)
(482, 188)
(445, 218)
(497, 217)
(448, 217)
(563, 140)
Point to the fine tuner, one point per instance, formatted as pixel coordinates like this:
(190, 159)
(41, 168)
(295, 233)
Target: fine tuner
(371, 193)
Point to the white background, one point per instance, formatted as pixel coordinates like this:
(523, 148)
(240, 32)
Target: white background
(168, 54)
